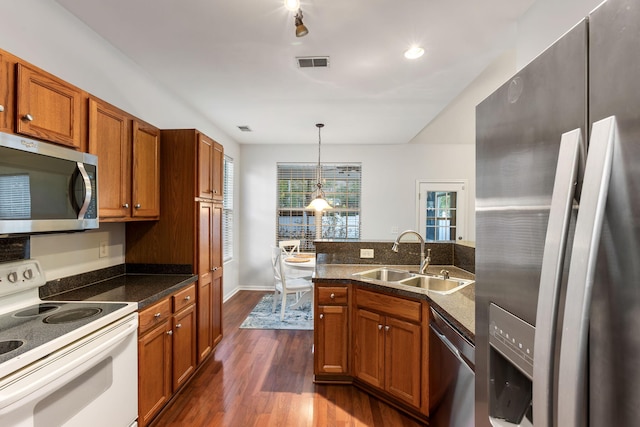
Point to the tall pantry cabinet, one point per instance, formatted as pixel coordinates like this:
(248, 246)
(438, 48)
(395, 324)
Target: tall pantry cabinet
(189, 231)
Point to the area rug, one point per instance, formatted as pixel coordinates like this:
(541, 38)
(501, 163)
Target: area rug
(262, 318)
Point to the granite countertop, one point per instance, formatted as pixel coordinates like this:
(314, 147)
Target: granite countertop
(458, 307)
(144, 289)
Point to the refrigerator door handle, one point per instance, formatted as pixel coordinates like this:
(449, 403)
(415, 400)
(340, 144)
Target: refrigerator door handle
(551, 275)
(575, 327)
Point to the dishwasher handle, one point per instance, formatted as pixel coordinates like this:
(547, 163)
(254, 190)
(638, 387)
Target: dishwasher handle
(466, 354)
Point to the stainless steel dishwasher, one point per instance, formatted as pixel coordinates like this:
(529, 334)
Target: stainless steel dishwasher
(451, 375)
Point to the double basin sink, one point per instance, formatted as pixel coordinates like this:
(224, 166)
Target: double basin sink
(437, 284)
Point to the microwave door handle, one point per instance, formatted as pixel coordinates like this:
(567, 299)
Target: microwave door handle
(87, 190)
(575, 326)
(551, 275)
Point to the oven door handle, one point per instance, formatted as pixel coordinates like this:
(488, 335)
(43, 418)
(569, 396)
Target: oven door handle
(39, 377)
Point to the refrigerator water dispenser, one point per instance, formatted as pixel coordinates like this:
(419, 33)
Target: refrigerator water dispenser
(510, 369)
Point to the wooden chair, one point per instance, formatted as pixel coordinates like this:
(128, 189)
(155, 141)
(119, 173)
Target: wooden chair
(284, 285)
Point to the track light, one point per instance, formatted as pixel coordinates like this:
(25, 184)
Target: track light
(301, 30)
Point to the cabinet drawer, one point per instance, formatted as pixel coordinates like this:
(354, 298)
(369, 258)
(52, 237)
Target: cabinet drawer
(154, 315)
(387, 304)
(332, 295)
(184, 297)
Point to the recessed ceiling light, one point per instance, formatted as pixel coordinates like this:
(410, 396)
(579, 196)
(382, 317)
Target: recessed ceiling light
(414, 52)
(292, 5)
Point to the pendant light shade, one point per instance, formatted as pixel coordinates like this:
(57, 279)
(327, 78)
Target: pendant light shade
(319, 202)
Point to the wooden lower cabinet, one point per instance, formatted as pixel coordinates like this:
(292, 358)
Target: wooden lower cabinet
(388, 341)
(375, 340)
(166, 351)
(331, 340)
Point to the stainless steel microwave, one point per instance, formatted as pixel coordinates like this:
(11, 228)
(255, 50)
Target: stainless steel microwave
(46, 188)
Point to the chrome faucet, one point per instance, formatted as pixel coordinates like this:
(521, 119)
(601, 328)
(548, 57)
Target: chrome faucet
(445, 274)
(424, 261)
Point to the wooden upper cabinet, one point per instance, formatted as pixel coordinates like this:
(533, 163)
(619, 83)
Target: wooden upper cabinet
(210, 168)
(49, 108)
(7, 85)
(146, 171)
(217, 178)
(110, 140)
(205, 166)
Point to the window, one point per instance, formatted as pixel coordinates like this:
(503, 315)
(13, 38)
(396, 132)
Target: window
(341, 184)
(441, 206)
(227, 210)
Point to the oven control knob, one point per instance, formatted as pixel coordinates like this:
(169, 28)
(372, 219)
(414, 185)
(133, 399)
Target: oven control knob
(28, 274)
(13, 277)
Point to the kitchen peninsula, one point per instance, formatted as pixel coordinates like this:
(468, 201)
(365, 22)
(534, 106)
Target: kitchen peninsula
(375, 333)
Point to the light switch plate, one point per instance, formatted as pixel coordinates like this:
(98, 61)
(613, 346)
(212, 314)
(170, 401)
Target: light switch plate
(366, 253)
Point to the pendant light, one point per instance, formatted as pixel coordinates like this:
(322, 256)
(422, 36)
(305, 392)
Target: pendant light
(319, 203)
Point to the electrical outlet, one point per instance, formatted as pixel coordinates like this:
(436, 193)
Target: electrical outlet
(104, 249)
(366, 253)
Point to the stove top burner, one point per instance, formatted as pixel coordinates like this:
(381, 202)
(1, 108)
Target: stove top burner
(10, 345)
(72, 315)
(36, 310)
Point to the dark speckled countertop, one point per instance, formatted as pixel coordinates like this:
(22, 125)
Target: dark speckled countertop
(144, 289)
(458, 307)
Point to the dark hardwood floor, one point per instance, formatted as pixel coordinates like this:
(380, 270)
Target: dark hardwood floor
(265, 378)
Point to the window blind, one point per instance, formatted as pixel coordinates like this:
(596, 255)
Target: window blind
(341, 183)
(227, 210)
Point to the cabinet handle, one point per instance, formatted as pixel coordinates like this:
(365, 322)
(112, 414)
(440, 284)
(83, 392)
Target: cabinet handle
(126, 206)
(138, 206)
(332, 296)
(179, 325)
(1, 108)
(322, 316)
(379, 327)
(169, 332)
(27, 117)
(386, 328)
(157, 315)
(187, 298)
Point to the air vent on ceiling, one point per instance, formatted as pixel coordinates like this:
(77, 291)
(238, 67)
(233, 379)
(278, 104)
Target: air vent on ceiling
(245, 128)
(313, 61)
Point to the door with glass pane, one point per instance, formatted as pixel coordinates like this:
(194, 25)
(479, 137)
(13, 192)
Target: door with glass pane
(442, 209)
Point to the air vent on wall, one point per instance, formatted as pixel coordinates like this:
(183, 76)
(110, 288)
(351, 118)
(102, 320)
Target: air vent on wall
(313, 61)
(245, 128)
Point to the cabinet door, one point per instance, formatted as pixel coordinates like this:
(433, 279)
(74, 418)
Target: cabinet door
(205, 156)
(216, 263)
(403, 376)
(7, 82)
(369, 347)
(332, 340)
(154, 371)
(217, 175)
(109, 139)
(48, 108)
(184, 345)
(216, 308)
(205, 285)
(146, 171)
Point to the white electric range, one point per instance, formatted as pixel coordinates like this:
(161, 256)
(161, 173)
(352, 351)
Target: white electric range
(64, 363)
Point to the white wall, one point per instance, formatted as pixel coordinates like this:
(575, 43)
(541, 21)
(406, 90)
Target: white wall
(45, 34)
(389, 175)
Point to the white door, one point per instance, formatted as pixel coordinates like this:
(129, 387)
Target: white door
(442, 209)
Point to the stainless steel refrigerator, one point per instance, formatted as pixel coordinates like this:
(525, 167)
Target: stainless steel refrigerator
(558, 233)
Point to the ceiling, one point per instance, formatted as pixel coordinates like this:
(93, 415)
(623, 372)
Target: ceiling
(235, 60)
